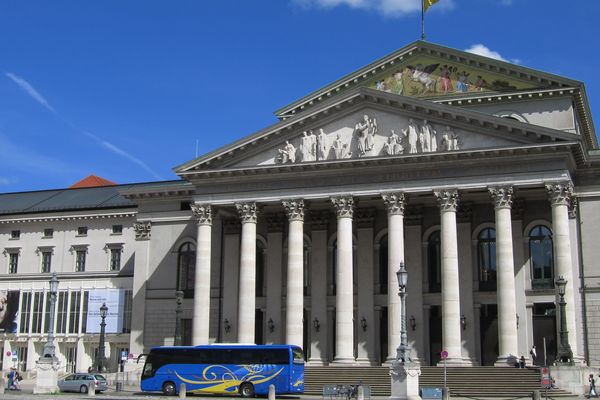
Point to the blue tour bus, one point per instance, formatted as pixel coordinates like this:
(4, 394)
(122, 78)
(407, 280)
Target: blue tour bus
(224, 369)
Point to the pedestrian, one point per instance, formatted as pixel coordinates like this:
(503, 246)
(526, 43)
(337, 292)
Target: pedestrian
(533, 354)
(11, 378)
(592, 382)
(17, 379)
(522, 362)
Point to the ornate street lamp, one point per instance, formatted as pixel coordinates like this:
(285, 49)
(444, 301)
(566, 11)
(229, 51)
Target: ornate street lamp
(100, 362)
(49, 349)
(178, 311)
(565, 354)
(402, 275)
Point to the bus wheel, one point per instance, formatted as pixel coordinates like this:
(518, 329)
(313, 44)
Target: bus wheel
(247, 389)
(169, 389)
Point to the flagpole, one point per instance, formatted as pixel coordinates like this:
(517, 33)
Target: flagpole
(422, 19)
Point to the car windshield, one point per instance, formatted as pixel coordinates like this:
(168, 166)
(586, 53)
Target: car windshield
(100, 377)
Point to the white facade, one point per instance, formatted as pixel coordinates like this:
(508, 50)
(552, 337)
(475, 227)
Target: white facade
(486, 189)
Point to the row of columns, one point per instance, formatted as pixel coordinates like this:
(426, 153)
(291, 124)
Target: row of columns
(395, 203)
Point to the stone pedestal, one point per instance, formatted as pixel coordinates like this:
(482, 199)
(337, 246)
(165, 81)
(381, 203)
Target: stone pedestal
(405, 380)
(47, 376)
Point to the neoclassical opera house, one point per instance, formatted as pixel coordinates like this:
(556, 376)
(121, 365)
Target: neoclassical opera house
(481, 176)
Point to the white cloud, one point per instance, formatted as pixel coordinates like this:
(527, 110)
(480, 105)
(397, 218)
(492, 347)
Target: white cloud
(124, 154)
(26, 86)
(483, 50)
(387, 8)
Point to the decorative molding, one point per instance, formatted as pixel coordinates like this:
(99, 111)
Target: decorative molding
(248, 212)
(560, 193)
(319, 219)
(344, 206)
(464, 212)
(142, 230)
(502, 196)
(42, 249)
(294, 209)
(231, 226)
(573, 207)
(59, 218)
(448, 199)
(202, 213)
(78, 247)
(395, 203)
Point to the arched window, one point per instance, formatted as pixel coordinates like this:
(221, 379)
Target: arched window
(541, 254)
(186, 268)
(486, 259)
(434, 262)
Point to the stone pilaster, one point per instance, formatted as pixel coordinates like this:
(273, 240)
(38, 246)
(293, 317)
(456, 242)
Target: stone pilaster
(200, 323)
(247, 300)
(141, 267)
(344, 344)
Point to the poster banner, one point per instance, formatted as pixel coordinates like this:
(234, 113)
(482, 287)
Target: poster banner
(9, 311)
(115, 301)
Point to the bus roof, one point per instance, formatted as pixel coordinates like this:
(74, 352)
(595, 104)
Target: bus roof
(231, 345)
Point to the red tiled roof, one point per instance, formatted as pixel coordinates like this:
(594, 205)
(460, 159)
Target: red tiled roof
(92, 181)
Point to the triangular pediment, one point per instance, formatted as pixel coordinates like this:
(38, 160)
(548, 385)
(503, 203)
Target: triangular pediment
(427, 70)
(365, 124)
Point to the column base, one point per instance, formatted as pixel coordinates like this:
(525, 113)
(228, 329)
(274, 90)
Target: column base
(507, 361)
(364, 362)
(47, 376)
(317, 363)
(456, 362)
(343, 361)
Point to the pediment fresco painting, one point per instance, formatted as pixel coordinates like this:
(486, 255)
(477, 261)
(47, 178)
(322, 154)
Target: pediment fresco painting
(424, 76)
(373, 133)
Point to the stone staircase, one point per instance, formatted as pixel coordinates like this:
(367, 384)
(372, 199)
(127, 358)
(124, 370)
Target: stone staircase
(461, 381)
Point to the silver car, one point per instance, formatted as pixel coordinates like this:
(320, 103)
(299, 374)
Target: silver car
(81, 382)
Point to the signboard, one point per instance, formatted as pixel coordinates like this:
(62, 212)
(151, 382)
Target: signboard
(444, 354)
(15, 356)
(9, 311)
(115, 301)
(123, 355)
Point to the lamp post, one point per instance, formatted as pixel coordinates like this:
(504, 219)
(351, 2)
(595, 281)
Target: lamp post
(565, 354)
(101, 347)
(178, 311)
(49, 349)
(402, 275)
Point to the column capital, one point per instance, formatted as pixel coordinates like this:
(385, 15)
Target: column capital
(447, 199)
(248, 212)
(502, 196)
(344, 206)
(573, 207)
(142, 230)
(294, 208)
(202, 213)
(395, 203)
(560, 193)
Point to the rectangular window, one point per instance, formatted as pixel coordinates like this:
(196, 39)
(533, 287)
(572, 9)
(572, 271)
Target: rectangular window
(13, 263)
(115, 259)
(47, 313)
(80, 260)
(117, 229)
(84, 312)
(38, 307)
(48, 232)
(82, 231)
(75, 303)
(62, 312)
(25, 311)
(127, 307)
(46, 261)
(16, 234)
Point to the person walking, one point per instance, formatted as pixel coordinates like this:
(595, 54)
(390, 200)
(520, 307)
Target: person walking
(592, 382)
(533, 354)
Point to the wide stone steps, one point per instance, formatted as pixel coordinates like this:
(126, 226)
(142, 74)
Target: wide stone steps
(461, 381)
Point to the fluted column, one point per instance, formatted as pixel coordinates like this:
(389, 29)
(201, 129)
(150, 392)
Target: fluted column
(451, 329)
(247, 299)
(395, 204)
(344, 307)
(561, 195)
(295, 272)
(508, 342)
(200, 323)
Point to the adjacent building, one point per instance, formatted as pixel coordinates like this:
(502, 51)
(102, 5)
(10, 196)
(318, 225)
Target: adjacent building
(481, 176)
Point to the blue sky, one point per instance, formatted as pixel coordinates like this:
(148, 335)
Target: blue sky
(124, 88)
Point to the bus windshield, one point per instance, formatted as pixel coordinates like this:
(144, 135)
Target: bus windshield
(225, 369)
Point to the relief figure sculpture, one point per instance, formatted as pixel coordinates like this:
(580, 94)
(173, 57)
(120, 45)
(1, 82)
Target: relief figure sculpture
(393, 146)
(425, 137)
(308, 147)
(449, 139)
(287, 154)
(322, 147)
(365, 131)
(411, 132)
(340, 149)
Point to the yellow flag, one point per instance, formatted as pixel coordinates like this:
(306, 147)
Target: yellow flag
(428, 3)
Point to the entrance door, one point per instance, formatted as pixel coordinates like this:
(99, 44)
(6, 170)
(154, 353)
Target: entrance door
(544, 333)
(488, 322)
(435, 334)
(258, 327)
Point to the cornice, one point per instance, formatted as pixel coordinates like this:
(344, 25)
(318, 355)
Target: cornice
(64, 276)
(53, 218)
